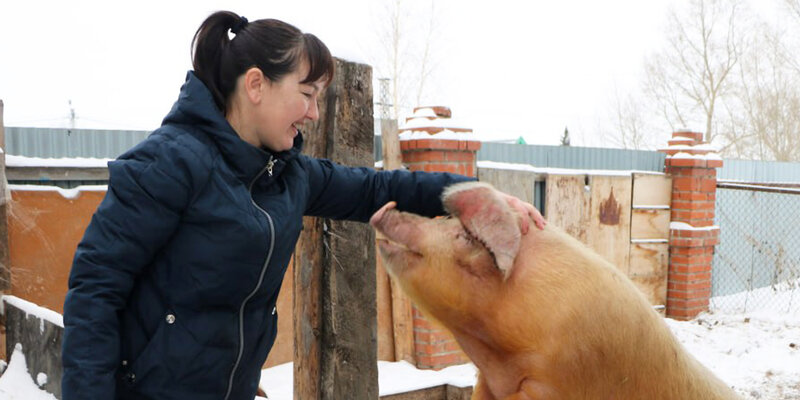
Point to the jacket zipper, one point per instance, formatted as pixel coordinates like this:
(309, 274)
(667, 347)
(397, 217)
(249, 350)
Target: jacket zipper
(268, 169)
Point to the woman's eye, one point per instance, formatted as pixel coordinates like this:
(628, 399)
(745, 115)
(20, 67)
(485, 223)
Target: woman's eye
(306, 94)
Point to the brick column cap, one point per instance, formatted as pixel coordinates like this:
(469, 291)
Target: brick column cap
(696, 159)
(433, 120)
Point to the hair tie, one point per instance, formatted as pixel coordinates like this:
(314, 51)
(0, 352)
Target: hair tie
(239, 25)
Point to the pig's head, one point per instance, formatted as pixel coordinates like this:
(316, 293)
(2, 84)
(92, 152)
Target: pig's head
(452, 267)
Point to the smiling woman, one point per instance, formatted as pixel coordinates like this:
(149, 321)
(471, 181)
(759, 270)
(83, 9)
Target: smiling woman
(266, 79)
(173, 288)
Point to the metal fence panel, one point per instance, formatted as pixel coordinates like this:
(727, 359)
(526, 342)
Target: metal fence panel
(757, 262)
(564, 156)
(64, 143)
(759, 171)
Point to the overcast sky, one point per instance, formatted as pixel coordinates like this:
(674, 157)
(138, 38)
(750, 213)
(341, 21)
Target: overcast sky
(506, 68)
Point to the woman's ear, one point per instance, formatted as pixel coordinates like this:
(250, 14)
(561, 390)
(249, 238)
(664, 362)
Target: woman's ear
(254, 83)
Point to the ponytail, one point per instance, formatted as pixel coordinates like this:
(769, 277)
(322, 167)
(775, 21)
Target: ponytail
(273, 46)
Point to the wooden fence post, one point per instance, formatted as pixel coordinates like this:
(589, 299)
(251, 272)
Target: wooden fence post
(335, 321)
(402, 319)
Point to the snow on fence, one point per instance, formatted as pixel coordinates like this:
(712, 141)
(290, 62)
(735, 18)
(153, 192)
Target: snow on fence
(39, 331)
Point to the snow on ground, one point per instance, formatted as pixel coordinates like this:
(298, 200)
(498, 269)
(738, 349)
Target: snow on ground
(17, 384)
(757, 353)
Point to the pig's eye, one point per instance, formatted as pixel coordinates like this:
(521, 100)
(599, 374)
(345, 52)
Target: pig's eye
(465, 237)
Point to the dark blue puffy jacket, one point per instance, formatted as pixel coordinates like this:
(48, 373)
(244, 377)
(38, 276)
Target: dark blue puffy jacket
(173, 288)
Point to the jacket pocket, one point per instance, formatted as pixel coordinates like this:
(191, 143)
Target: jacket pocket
(148, 361)
(175, 362)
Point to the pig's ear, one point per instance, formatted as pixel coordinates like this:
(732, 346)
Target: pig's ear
(488, 218)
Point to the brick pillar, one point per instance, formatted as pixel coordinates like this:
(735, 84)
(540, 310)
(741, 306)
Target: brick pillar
(431, 142)
(693, 234)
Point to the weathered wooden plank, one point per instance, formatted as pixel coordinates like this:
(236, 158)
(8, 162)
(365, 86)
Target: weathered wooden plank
(609, 227)
(648, 270)
(402, 325)
(390, 145)
(516, 183)
(335, 326)
(383, 289)
(567, 204)
(652, 190)
(650, 224)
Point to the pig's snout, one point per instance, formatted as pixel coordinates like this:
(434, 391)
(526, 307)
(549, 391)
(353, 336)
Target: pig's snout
(377, 218)
(398, 227)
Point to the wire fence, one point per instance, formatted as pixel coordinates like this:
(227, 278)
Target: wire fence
(756, 265)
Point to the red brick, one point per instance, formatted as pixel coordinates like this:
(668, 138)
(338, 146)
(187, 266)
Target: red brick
(688, 287)
(470, 170)
(714, 163)
(681, 204)
(685, 184)
(708, 185)
(691, 297)
(685, 271)
(444, 144)
(694, 196)
(682, 140)
(441, 167)
(459, 156)
(696, 172)
(681, 262)
(696, 136)
(692, 251)
(423, 156)
(689, 216)
(686, 303)
(703, 276)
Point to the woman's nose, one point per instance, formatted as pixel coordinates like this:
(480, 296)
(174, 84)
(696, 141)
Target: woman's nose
(313, 111)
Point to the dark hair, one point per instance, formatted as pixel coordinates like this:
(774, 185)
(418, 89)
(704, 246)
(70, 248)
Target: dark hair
(273, 46)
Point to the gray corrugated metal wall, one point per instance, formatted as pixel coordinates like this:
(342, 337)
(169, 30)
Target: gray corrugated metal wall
(50, 142)
(565, 156)
(58, 143)
(760, 171)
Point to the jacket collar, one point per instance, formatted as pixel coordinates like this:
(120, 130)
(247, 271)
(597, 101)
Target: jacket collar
(195, 107)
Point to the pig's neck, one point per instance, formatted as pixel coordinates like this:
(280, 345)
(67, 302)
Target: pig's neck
(502, 371)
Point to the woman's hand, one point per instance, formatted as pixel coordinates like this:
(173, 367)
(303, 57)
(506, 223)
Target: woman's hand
(526, 212)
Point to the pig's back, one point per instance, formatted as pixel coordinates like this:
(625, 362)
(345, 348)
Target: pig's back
(599, 333)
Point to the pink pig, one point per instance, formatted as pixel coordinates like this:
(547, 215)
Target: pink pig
(540, 315)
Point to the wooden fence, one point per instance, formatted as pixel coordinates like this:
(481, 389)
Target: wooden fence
(623, 216)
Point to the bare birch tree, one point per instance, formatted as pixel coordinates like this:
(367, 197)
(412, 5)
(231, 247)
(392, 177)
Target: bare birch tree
(794, 7)
(690, 79)
(769, 127)
(629, 128)
(409, 49)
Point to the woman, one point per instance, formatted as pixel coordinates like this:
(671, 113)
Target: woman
(173, 288)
